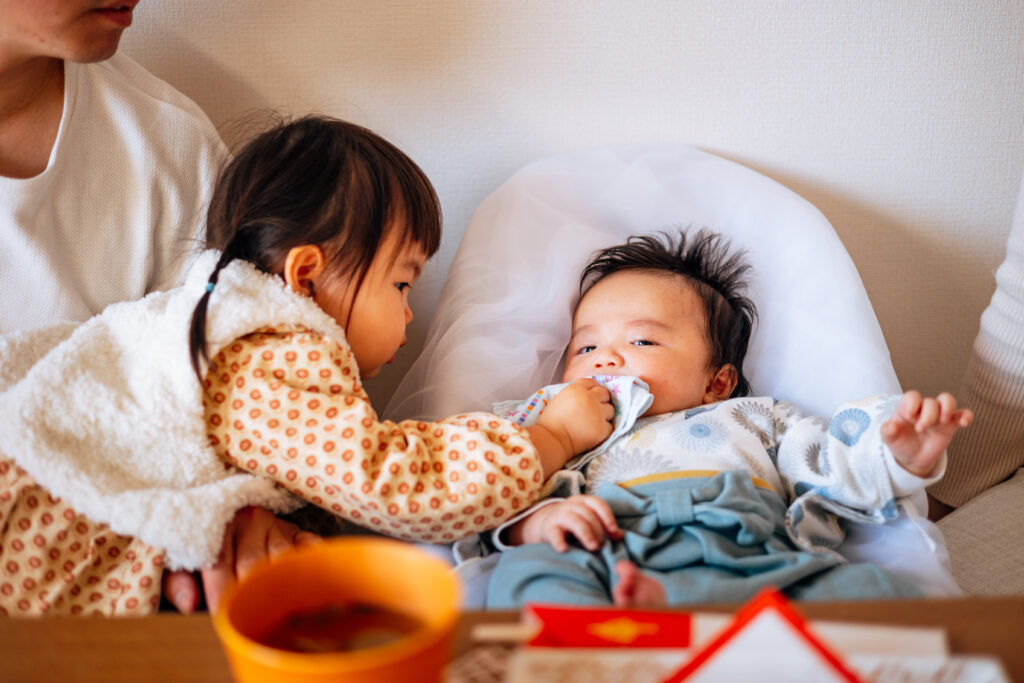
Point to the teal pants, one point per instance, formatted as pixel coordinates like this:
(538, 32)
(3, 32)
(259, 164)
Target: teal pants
(707, 540)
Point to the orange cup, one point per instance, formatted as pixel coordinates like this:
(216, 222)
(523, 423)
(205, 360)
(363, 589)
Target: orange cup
(389, 574)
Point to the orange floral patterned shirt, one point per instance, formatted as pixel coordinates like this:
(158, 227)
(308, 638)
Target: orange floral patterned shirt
(288, 404)
(55, 561)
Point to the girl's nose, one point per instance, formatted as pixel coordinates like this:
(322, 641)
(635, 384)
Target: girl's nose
(408, 314)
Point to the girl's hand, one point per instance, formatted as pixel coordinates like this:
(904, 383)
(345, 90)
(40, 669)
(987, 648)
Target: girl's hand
(921, 428)
(588, 519)
(578, 418)
(580, 415)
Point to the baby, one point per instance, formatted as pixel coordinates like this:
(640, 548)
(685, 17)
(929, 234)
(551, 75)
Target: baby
(711, 495)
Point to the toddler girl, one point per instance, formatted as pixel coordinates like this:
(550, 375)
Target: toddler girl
(127, 443)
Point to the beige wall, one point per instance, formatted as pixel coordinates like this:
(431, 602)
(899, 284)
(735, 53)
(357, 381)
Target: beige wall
(903, 121)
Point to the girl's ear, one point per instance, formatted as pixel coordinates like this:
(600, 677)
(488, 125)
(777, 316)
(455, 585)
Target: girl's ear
(302, 266)
(722, 382)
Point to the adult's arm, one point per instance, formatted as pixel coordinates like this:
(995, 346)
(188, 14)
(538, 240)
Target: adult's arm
(993, 448)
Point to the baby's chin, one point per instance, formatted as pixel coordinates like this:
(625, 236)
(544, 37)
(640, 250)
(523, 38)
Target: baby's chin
(656, 409)
(663, 409)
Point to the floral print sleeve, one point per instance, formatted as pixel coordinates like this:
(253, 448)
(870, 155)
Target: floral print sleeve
(844, 458)
(288, 404)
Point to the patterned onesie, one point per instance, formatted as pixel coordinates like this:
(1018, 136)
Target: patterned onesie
(720, 500)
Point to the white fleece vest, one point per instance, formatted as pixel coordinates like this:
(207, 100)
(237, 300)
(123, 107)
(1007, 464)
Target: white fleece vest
(108, 415)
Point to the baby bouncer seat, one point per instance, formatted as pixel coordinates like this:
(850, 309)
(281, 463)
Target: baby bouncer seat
(502, 322)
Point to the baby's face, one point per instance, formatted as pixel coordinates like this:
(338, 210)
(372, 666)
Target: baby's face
(649, 324)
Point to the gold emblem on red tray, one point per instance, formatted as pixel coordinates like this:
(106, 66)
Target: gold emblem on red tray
(621, 630)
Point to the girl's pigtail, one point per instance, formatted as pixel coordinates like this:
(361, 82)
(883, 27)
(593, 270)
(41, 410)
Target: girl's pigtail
(197, 328)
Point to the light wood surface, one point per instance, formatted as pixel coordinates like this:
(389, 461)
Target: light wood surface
(171, 648)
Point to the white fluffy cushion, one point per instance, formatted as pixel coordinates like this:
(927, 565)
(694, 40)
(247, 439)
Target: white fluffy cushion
(503, 319)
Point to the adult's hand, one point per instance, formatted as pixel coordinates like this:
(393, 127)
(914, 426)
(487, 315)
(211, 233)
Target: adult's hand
(251, 537)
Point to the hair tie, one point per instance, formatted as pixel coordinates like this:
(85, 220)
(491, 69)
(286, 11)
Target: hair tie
(209, 286)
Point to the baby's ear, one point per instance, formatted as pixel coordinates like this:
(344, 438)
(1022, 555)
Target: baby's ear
(721, 384)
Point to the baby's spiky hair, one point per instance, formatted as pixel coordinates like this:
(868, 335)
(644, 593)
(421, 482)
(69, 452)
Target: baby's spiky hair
(717, 274)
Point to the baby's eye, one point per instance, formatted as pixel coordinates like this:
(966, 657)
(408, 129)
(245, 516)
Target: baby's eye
(585, 349)
(402, 286)
(642, 342)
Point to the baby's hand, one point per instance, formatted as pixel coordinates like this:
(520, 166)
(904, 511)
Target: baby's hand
(921, 428)
(580, 416)
(588, 518)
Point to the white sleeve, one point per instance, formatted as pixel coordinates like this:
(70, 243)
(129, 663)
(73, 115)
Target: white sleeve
(843, 459)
